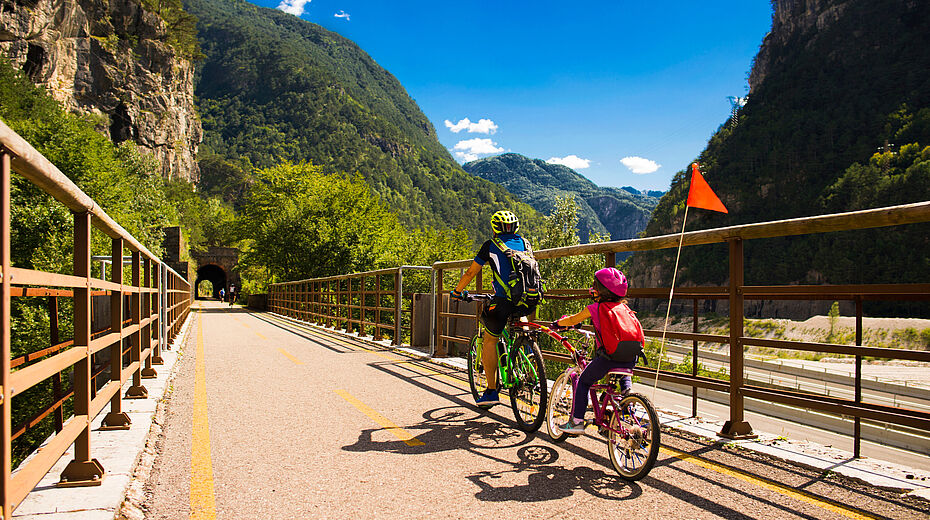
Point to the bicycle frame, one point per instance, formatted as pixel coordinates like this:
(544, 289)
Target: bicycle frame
(608, 395)
(504, 361)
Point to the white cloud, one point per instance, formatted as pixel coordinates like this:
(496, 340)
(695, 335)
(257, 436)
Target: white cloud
(483, 126)
(470, 149)
(294, 7)
(572, 161)
(342, 14)
(640, 165)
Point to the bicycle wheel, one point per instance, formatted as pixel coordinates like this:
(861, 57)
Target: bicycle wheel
(633, 442)
(477, 380)
(528, 393)
(560, 406)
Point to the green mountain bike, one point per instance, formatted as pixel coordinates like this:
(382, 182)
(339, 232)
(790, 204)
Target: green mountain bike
(520, 370)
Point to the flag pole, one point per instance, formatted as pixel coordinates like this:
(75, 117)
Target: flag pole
(668, 310)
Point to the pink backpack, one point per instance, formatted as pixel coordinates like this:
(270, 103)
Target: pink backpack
(618, 323)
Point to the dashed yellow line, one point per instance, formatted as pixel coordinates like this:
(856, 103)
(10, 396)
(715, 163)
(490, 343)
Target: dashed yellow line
(768, 484)
(203, 499)
(289, 356)
(746, 477)
(386, 423)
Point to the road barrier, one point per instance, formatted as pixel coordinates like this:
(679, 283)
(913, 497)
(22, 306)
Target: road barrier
(361, 302)
(144, 315)
(735, 294)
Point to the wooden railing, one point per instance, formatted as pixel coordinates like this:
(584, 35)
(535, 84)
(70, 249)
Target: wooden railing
(146, 311)
(372, 301)
(735, 294)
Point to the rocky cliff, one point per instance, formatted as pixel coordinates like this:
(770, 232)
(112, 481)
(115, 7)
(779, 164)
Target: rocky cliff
(110, 59)
(792, 19)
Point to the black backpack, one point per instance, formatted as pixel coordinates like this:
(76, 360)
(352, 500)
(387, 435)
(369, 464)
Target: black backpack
(525, 287)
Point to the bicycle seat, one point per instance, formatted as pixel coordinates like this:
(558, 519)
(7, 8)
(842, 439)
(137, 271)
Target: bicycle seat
(621, 371)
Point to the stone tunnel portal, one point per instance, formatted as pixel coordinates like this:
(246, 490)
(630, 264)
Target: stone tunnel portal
(215, 274)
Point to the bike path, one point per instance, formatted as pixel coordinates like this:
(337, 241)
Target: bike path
(289, 421)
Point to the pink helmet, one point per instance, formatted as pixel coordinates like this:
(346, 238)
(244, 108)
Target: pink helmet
(613, 280)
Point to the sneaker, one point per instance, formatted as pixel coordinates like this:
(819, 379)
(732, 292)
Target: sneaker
(570, 426)
(488, 399)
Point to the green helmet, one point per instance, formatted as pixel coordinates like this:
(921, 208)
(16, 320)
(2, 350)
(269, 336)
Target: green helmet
(504, 222)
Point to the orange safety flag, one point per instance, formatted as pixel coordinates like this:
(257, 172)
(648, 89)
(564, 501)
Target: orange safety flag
(700, 195)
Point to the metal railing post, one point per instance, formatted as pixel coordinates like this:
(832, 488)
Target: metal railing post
(146, 333)
(694, 360)
(439, 349)
(857, 425)
(163, 306)
(399, 306)
(6, 396)
(136, 391)
(53, 332)
(82, 470)
(378, 307)
(736, 427)
(116, 419)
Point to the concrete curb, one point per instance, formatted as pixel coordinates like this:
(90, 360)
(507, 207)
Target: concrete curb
(885, 475)
(121, 453)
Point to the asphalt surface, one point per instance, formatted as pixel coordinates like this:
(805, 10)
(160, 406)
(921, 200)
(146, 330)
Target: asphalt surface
(300, 424)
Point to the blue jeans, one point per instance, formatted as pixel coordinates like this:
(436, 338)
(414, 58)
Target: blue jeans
(596, 369)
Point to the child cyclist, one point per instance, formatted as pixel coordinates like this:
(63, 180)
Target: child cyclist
(619, 340)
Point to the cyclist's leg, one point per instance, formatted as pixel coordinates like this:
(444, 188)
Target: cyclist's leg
(596, 369)
(489, 359)
(494, 318)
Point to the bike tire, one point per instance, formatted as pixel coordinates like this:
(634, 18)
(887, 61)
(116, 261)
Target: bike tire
(559, 408)
(634, 445)
(477, 380)
(529, 385)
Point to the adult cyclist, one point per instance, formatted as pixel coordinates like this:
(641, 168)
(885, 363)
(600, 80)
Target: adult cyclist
(497, 312)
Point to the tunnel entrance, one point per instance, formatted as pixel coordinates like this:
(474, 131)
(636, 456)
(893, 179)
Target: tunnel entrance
(215, 275)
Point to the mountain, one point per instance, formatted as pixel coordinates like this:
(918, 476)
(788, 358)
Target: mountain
(837, 119)
(274, 88)
(621, 212)
(125, 65)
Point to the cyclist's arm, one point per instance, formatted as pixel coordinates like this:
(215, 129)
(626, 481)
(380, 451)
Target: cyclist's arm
(469, 275)
(574, 319)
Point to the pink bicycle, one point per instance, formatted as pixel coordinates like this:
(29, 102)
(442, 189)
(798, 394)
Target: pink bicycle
(629, 422)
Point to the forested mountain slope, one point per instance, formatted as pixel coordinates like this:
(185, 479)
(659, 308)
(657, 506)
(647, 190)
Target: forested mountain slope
(838, 119)
(613, 211)
(274, 88)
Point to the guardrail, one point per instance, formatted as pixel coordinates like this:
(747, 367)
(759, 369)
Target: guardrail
(736, 293)
(354, 302)
(145, 313)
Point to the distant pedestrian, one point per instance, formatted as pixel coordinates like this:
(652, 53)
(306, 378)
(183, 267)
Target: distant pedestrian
(222, 295)
(232, 295)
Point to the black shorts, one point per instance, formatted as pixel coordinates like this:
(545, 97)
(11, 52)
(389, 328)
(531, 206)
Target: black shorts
(497, 312)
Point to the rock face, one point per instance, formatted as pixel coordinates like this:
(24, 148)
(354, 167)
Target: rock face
(110, 59)
(792, 18)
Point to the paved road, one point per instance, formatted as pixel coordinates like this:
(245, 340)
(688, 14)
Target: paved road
(269, 420)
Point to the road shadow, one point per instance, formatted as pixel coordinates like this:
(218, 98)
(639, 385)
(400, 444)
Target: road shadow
(801, 479)
(456, 429)
(461, 426)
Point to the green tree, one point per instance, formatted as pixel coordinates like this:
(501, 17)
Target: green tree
(560, 229)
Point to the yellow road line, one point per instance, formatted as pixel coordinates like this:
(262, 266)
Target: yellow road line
(757, 481)
(292, 358)
(203, 499)
(246, 325)
(770, 485)
(398, 432)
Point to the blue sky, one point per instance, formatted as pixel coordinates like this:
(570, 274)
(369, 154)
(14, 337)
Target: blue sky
(625, 92)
